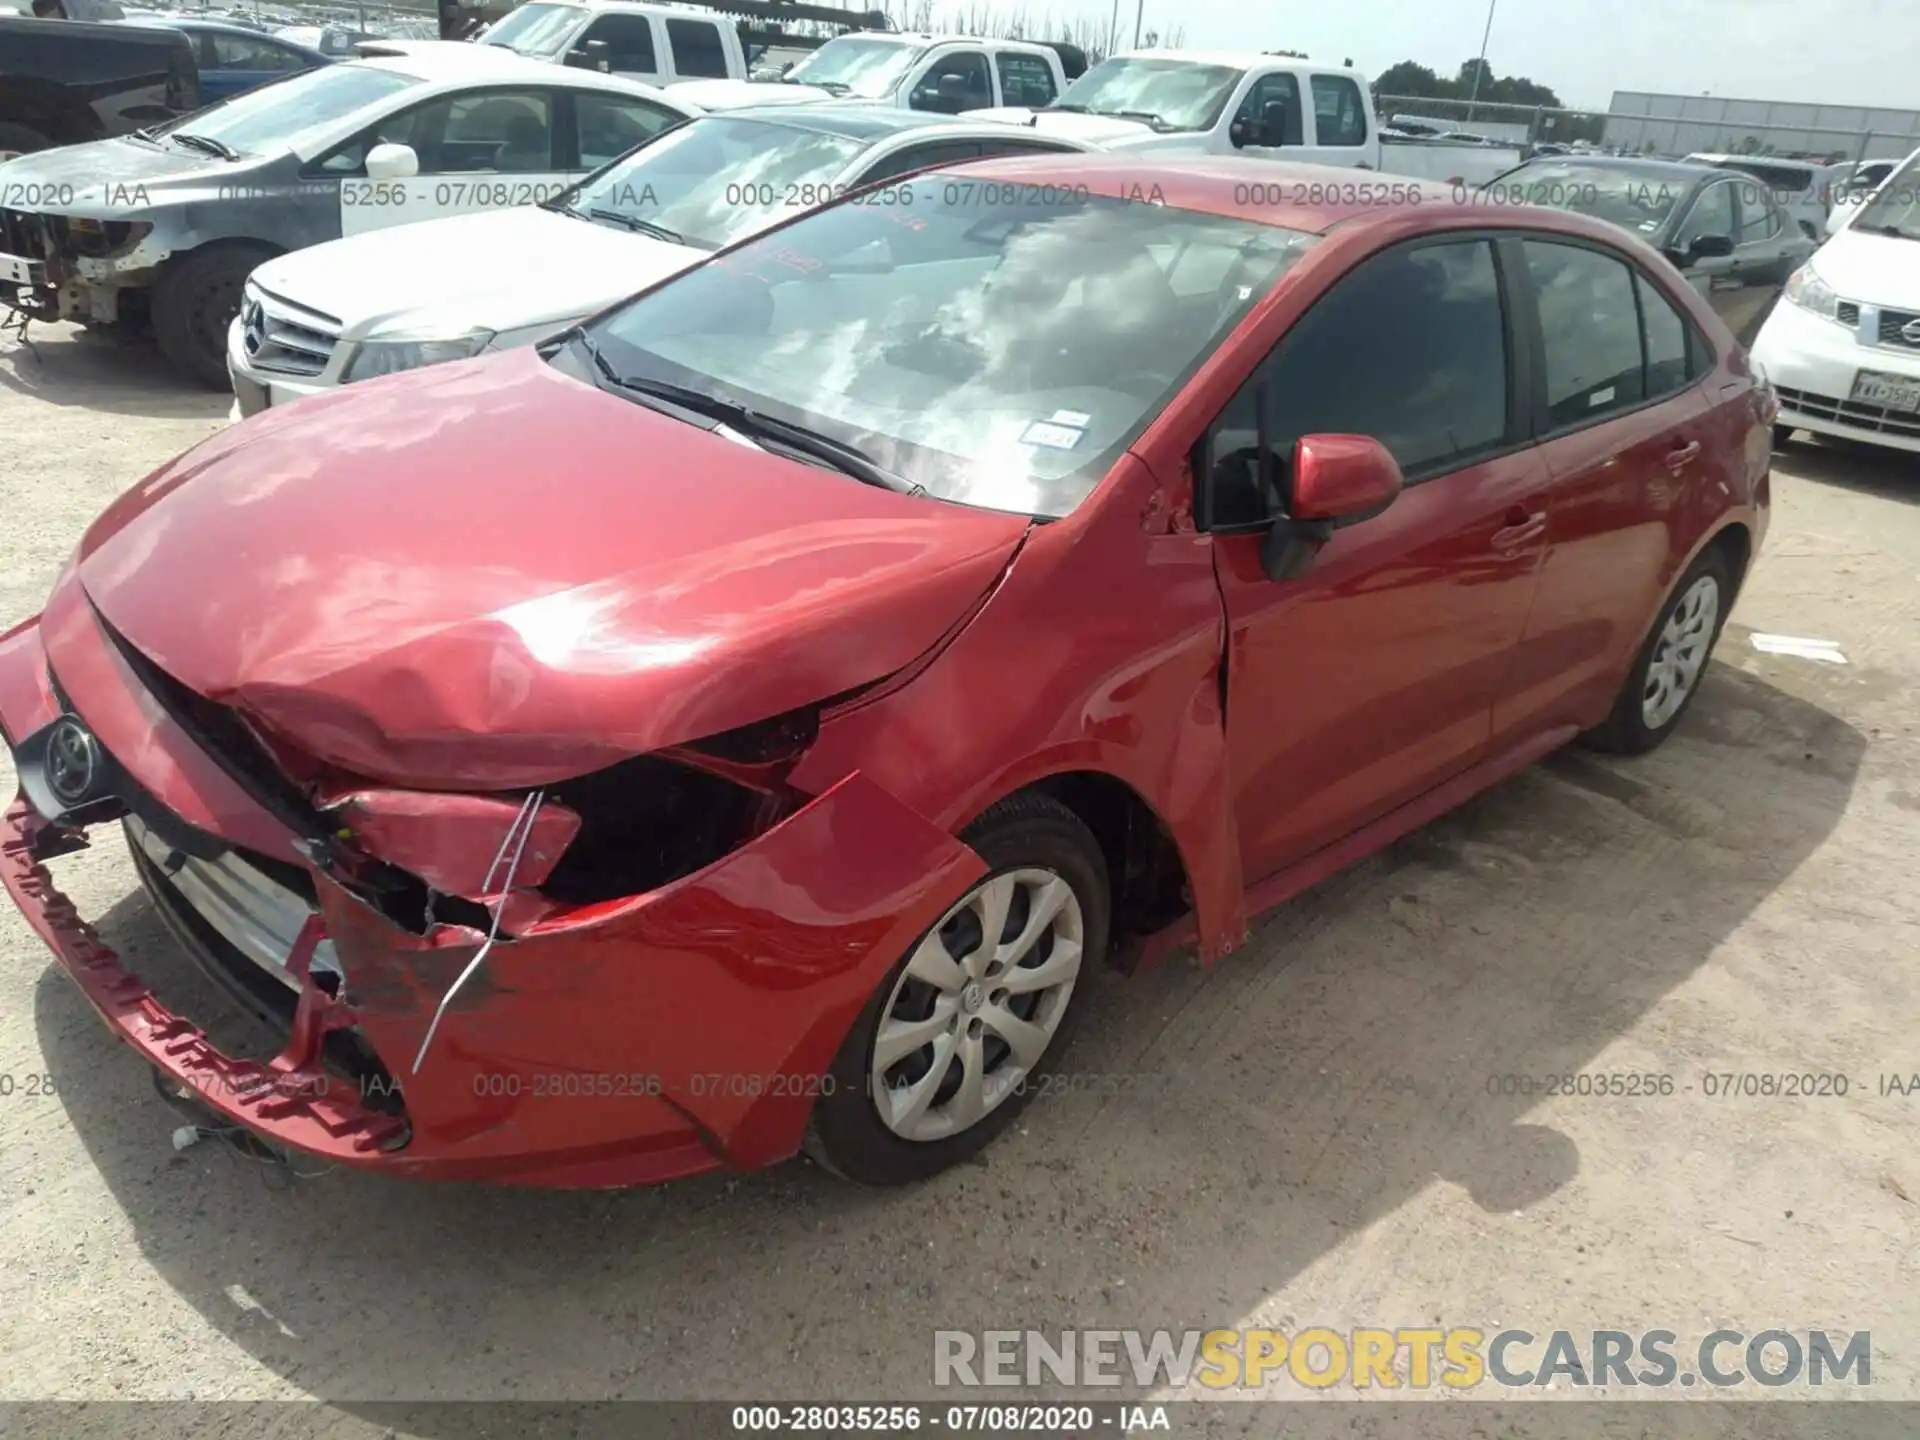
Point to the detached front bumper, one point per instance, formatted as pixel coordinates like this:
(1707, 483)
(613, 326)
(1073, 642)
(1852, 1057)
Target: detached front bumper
(624, 1043)
(1813, 362)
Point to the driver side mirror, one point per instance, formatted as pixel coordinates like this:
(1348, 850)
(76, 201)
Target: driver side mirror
(392, 162)
(594, 55)
(1710, 247)
(1273, 124)
(1334, 481)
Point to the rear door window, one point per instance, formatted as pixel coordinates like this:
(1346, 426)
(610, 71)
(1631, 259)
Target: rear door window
(611, 125)
(697, 48)
(1339, 116)
(1024, 80)
(1590, 327)
(1672, 357)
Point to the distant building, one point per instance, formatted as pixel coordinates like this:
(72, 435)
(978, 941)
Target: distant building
(1683, 124)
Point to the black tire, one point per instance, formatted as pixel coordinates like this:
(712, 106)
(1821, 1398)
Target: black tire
(18, 139)
(1625, 730)
(194, 303)
(1782, 436)
(846, 1134)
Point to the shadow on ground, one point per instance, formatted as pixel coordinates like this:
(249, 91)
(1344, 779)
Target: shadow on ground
(1851, 465)
(68, 366)
(1309, 1085)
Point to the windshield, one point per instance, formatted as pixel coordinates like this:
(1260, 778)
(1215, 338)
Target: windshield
(1180, 94)
(272, 117)
(999, 347)
(719, 178)
(1894, 208)
(870, 69)
(1633, 200)
(535, 29)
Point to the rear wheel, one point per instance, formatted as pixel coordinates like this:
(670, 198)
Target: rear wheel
(953, 1042)
(1666, 673)
(195, 303)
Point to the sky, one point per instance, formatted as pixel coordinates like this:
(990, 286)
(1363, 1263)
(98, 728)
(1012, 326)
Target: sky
(1838, 52)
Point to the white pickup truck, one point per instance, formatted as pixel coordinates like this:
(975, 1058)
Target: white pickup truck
(660, 44)
(940, 74)
(1222, 103)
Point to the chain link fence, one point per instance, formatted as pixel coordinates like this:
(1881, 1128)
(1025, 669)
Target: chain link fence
(1889, 135)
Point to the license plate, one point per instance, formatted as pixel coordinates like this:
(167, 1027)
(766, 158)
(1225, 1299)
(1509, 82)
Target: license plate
(1890, 392)
(17, 270)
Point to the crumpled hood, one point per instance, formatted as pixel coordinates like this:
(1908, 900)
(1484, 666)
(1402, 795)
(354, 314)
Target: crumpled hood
(488, 574)
(1881, 270)
(497, 270)
(108, 179)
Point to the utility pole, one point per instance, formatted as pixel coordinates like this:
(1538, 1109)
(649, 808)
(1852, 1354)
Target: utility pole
(1139, 9)
(1481, 68)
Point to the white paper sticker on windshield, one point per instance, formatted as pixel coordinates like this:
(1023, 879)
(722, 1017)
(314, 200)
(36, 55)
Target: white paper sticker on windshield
(1054, 437)
(1078, 419)
(1600, 397)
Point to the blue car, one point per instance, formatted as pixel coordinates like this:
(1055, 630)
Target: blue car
(233, 58)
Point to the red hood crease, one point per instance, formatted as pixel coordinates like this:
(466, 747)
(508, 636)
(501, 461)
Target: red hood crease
(489, 573)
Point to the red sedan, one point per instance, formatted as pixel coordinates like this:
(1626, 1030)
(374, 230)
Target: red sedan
(742, 722)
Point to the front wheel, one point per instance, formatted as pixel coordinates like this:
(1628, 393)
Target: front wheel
(1666, 673)
(195, 304)
(964, 1029)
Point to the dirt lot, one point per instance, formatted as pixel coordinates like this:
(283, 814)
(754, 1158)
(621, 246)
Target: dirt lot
(1326, 1151)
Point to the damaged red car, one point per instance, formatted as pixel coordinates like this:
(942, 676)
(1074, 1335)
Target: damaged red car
(744, 722)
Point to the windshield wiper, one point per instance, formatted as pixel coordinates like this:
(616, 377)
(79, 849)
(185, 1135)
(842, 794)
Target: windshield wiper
(1056, 105)
(1145, 117)
(648, 228)
(832, 87)
(206, 143)
(848, 459)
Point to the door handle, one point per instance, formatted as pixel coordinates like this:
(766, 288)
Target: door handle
(1522, 528)
(1681, 456)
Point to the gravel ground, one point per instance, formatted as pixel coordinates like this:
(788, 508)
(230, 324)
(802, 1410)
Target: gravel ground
(1326, 1151)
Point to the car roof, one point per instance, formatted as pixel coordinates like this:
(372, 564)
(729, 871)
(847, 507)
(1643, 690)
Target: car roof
(1650, 169)
(1719, 161)
(1237, 59)
(453, 60)
(855, 121)
(1310, 198)
(195, 25)
(928, 37)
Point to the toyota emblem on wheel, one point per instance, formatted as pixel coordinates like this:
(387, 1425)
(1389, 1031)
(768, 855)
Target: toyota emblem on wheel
(73, 761)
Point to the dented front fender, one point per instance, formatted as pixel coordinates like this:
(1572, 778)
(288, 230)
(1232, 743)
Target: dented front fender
(723, 996)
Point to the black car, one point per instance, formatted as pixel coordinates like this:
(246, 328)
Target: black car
(63, 81)
(1735, 243)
